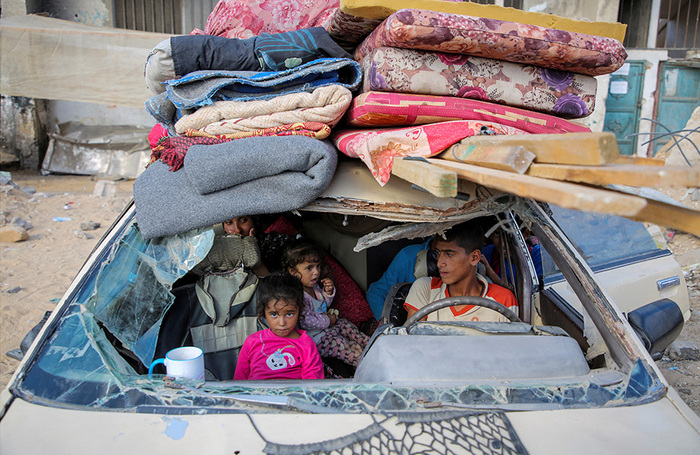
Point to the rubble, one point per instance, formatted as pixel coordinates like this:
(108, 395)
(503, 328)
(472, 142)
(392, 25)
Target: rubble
(13, 233)
(83, 235)
(105, 188)
(683, 350)
(17, 221)
(89, 226)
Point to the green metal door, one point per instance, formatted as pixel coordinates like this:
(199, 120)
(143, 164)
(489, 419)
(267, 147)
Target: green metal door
(679, 95)
(624, 104)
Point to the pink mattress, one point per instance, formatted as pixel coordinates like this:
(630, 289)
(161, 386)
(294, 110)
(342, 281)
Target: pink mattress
(384, 109)
(377, 148)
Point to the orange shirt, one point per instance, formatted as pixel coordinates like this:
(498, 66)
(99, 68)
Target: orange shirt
(427, 290)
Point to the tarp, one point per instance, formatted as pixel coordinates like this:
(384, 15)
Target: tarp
(55, 59)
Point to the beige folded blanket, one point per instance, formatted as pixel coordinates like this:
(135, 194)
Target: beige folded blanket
(325, 105)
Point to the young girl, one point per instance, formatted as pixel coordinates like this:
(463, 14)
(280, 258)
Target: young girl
(282, 351)
(335, 337)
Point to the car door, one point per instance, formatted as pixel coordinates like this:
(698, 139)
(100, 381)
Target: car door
(625, 259)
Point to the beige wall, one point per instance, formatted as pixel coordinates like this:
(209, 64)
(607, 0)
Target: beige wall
(605, 11)
(13, 8)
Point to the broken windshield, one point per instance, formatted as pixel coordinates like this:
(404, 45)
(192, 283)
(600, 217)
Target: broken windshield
(109, 330)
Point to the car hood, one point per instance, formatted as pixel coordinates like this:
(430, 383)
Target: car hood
(664, 426)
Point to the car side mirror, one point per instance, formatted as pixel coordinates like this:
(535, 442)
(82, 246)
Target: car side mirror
(657, 324)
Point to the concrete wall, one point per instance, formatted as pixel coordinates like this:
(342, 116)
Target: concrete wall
(576, 9)
(13, 7)
(90, 12)
(22, 131)
(26, 121)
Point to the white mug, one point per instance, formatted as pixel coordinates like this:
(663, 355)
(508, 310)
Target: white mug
(184, 362)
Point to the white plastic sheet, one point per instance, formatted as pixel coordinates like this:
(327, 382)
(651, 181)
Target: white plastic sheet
(55, 59)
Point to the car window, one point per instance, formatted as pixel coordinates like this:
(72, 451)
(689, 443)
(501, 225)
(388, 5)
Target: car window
(602, 240)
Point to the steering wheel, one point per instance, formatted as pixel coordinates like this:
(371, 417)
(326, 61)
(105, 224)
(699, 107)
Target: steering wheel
(462, 300)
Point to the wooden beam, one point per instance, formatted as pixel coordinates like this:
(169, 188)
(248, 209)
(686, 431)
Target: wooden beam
(435, 180)
(511, 158)
(643, 160)
(563, 194)
(568, 148)
(619, 174)
(663, 214)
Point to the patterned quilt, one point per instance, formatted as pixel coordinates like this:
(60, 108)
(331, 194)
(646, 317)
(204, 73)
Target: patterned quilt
(551, 91)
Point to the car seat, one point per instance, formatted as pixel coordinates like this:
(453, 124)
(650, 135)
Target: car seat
(394, 312)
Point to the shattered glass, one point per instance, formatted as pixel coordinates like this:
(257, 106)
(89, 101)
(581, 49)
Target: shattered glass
(131, 305)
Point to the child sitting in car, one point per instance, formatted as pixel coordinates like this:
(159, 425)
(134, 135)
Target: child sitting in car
(458, 255)
(282, 351)
(335, 337)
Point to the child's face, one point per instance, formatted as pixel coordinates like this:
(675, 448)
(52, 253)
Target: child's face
(308, 272)
(454, 262)
(282, 316)
(241, 225)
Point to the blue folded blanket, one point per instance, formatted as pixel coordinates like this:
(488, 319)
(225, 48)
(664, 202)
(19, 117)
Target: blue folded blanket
(201, 88)
(248, 176)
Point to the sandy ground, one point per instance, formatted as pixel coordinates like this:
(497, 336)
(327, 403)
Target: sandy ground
(35, 273)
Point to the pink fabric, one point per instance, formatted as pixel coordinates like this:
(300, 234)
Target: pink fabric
(265, 355)
(378, 147)
(349, 299)
(248, 18)
(157, 133)
(398, 109)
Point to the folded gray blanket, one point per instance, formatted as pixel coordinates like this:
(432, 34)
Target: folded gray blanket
(248, 176)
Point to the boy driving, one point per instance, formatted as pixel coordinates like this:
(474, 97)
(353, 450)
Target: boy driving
(459, 253)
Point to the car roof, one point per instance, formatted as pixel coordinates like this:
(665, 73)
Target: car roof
(353, 191)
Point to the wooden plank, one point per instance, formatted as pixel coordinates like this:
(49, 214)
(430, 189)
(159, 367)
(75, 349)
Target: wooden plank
(681, 218)
(568, 148)
(643, 160)
(511, 158)
(619, 174)
(563, 194)
(435, 180)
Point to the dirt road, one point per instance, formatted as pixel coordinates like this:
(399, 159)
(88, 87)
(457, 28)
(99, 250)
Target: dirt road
(35, 273)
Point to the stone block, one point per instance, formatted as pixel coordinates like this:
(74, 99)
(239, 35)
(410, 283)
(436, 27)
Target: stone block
(13, 233)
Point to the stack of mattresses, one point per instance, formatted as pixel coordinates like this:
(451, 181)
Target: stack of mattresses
(461, 76)
(243, 128)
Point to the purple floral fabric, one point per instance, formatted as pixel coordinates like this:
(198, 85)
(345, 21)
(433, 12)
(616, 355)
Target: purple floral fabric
(560, 93)
(501, 40)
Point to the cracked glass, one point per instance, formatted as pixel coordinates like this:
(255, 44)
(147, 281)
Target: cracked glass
(113, 321)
